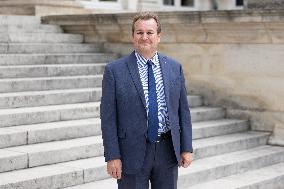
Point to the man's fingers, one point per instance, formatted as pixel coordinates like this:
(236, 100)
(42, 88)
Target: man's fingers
(185, 164)
(118, 173)
(115, 173)
(119, 170)
(114, 168)
(111, 171)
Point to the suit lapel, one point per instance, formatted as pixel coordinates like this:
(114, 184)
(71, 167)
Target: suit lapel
(134, 72)
(166, 75)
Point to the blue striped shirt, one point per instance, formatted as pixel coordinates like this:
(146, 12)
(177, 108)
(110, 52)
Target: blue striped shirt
(161, 98)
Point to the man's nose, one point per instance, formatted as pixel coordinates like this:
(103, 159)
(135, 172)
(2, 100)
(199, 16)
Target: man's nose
(145, 36)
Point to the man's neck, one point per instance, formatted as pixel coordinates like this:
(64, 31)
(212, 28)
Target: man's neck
(147, 55)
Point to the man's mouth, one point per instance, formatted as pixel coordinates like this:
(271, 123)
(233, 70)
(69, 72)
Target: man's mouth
(145, 44)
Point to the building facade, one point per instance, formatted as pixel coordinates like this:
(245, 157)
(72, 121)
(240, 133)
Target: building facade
(54, 7)
(165, 5)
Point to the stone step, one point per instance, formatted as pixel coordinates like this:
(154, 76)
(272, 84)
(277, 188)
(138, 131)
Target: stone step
(271, 177)
(101, 184)
(206, 113)
(65, 96)
(228, 143)
(45, 177)
(49, 83)
(41, 28)
(19, 20)
(204, 129)
(49, 48)
(48, 132)
(63, 130)
(94, 168)
(40, 38)
(212, 168)
(49, 97)
(51, 70)
(74, 149)
(72, 58)
(194, 100)
(200, 170)
(45, 114)
(58, 151)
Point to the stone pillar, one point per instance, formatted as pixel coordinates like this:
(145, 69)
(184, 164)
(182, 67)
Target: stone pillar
(265, 4)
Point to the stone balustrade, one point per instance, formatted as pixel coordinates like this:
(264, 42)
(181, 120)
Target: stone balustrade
(233, 58)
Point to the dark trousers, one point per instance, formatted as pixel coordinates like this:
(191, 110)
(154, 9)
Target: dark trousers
(160, 168)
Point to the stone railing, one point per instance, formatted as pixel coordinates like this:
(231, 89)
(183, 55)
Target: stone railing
(233, 58)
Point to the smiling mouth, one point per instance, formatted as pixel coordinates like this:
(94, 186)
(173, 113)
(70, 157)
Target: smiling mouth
(144, 44)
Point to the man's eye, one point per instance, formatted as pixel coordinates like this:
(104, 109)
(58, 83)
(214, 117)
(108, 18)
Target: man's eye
(150, 33)
(139, 33)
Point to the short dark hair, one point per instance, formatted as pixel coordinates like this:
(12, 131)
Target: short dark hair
(146, 16)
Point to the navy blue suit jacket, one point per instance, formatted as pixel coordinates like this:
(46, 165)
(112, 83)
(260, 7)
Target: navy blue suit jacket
(124, 116)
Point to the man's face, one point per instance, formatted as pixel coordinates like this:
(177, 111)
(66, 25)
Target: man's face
(145, 37)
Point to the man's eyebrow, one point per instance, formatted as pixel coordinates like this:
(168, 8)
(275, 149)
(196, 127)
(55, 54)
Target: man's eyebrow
(143, 30)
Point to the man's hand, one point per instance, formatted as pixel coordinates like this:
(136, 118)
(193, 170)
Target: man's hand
(186, 159)
(114, 168)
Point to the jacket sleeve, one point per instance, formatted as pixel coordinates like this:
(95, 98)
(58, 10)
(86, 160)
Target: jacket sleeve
(109, 116)
(184, 118)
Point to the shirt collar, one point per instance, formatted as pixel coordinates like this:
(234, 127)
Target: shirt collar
(143, 60)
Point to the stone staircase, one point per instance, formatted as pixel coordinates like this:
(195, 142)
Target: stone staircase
(50, 87)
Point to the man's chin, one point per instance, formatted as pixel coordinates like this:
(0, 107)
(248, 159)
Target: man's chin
(145, 49)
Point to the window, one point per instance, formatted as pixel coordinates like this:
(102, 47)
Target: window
(239, 2)
(169, 2)
(187, 3)
(183, 4)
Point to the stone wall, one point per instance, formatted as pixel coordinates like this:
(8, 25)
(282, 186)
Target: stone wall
(265, 4)
(43, 7)
(233, 58)
(55, 7)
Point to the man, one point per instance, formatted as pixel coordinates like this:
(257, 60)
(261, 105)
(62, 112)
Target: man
(145, 119)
